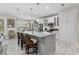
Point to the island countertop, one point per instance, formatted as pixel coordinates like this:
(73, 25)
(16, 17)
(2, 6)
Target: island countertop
(46, 41)
(38, 34)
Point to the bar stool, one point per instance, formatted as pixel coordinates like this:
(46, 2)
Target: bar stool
(22, 41)
(30, 44)
(18, 36)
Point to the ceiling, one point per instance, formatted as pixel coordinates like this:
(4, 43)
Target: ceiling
(23, 10)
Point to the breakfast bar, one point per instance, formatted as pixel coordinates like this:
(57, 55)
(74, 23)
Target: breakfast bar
(46, 41)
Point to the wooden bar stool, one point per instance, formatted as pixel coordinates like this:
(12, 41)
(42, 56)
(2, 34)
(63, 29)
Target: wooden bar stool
(19, 38)
(22, 40)
(29, 44)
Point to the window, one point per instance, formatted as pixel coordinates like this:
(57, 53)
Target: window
(1, 25)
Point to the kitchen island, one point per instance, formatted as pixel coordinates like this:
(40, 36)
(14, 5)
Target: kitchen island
(0, 45)
(46, 41)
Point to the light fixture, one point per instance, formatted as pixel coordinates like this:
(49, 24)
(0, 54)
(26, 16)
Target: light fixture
(38, 9)
(47, 7)
(17, 9)
(32, 18)
(38, 4)
(31, 12)
(18, 12)
(37, 20)
(62, 4)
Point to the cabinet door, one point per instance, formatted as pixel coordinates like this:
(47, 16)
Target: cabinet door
(50, 44)
(45, 22)
(40, 27)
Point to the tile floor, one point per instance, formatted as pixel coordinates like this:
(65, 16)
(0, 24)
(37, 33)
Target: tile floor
(65, 48)
(11, 48)
(62, 48)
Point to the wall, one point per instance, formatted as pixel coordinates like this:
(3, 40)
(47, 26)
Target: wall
(5, 27)
(4, 19)
(20, 23)
(67, 25)
(77, 25)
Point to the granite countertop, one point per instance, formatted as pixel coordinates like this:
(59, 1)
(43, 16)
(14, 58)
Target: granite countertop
(38, 34)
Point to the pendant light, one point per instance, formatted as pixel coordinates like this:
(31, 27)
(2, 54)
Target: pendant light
(38, 9)
(32, 18)
(31, 12)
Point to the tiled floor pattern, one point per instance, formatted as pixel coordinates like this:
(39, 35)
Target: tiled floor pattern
(65, 48)
(62, 48)
(12, 48)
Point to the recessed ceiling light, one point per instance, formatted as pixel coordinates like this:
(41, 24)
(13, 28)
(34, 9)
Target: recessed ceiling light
(37, 3)
(37, 20)
(47, 7)
(62, 4)
(17, 9)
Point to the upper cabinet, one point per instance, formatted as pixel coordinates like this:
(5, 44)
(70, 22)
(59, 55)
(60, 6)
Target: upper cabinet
(45, 22)
(51, 21)
(56, 21)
